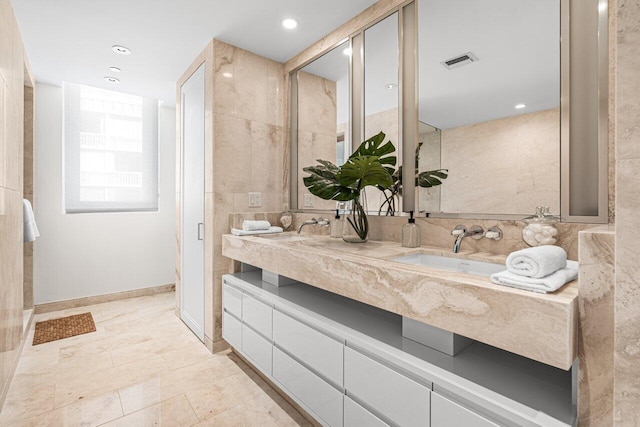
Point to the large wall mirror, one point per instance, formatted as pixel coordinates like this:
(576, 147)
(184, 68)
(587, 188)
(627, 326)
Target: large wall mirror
(489, 104)
(495, 91)
(323, 130)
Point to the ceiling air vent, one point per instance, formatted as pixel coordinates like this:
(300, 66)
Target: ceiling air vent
(460, 60)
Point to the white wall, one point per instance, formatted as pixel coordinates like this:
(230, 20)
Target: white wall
(82, 255)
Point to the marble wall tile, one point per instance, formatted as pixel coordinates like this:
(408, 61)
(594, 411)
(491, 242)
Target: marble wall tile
(596, 326)
(231, 153)
(627, 141)
(317, 108)
(481, 181)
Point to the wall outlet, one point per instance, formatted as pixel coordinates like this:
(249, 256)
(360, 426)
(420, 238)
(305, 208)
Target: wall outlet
(255, 200)
(307, 201)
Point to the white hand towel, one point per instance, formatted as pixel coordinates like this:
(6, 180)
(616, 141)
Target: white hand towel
(248, 225)
(30, 229)
(550, 283)
(271, 230)
(537, 262)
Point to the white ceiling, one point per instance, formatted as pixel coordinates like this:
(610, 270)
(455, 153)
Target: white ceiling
(70, 40)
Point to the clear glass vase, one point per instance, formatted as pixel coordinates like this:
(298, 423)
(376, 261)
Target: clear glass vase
(356, 224)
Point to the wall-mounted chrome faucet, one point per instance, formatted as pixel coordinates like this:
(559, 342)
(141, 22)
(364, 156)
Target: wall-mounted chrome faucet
(322, 222)
(476, 232)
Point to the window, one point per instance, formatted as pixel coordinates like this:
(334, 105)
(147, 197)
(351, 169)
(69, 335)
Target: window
(110, 151)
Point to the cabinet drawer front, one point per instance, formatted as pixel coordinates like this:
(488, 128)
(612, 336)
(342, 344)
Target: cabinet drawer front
(318, 351)
(446, 413)
(232, 330)
(257, 349)
(401, 400)
(356, 416)
(321, 398)
(257, 314)
(232, 300)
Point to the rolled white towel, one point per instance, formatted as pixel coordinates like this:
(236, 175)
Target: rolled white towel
(550, 283)
(271, 230)
(537, 262)
(250, 225)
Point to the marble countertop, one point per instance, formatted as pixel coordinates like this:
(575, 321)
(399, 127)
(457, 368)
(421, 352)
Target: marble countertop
(541, 327)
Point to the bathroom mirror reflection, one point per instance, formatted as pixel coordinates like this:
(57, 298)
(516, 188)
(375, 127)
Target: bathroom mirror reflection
(489, 105)
(323, 117)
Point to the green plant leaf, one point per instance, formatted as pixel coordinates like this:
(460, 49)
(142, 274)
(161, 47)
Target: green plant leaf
(374, 147)
(360, 171)
(323, 182)
(431, 178)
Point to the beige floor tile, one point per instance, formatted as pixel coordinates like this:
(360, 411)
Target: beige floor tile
(169, 413)
(90, 412)
(141, 367)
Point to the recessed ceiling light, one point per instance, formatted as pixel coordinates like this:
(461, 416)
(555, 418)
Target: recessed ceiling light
(115, 69)
(391, 86)
(227, 75)
(520, 106)
(347, 51)
(289, 23)
(121, 49)
(112, 79)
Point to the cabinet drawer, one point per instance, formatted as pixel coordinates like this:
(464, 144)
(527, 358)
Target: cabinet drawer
(356, 416)
(445, 413)
(232, 300)
(232, 330)
(257, 314)
(257, 349)
(318, 351)
(400, 399)
(321, 398)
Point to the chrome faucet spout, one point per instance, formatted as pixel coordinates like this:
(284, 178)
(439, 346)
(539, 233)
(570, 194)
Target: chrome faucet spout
(476, 232)
(456, 244)
(307, 222)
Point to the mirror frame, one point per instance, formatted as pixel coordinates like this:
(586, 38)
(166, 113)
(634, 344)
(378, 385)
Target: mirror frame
(571, 28)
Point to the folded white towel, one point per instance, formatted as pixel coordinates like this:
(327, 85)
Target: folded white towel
(30, 229)
(271, 230)
(537, 262)
(249, 225)
(550, 283)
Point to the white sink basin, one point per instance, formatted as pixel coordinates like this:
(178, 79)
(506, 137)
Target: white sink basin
(285, 237)
(477, 268)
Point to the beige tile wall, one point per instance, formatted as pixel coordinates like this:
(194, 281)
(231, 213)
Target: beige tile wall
(627, 200)
(244, 152)
(11, 166)
(28, 191)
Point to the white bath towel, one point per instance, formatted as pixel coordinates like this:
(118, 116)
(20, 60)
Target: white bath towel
(271, 230)
(537, 262)
(30, 227)
(250, 225)
(550, 283)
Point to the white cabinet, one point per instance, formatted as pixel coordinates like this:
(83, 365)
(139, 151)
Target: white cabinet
(232, 301)
(445, 413)
(321, 398)
(356, 416)
(258, 315)
(400, 399)
(257, 348)
(231, 330)
(320, 352)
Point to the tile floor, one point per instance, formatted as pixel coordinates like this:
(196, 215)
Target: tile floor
(142, 367)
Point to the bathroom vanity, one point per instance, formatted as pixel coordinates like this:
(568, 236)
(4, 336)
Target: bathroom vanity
(332, 338)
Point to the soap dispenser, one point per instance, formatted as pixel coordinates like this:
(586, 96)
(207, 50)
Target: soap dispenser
(337, 225)
(411, 233)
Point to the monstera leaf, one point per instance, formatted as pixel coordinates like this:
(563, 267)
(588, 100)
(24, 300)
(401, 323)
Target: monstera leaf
(374, 147)
(324, 183)
(363, 170)
(431, 178)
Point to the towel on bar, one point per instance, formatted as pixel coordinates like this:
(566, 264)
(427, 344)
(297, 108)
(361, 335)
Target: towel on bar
(550, 283)
(249, 225)
(537, 262)
(271, 230)
(30, 227)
